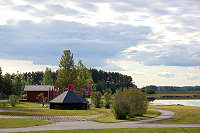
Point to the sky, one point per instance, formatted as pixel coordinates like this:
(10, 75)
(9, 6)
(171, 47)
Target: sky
(157, 42)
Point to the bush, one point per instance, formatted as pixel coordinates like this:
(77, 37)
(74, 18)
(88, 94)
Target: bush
(107, 99)
(13, 100)
(129, 103)
(40, 97)
(120, 105)
(139, 102)
(96, 99)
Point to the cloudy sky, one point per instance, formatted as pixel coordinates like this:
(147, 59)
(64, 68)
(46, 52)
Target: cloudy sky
(157, 42)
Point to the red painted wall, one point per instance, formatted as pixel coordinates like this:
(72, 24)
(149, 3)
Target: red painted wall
(31, 95)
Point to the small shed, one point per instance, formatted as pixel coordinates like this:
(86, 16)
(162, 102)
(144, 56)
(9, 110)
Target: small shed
(68, 100)
(33, 90)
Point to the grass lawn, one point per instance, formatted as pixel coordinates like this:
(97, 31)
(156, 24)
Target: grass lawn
(110, 118)
(49, 112)
(129, 130)
(184, 114)
(14, 123)
(24, 105)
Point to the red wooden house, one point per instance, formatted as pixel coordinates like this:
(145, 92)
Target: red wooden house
(33, 90)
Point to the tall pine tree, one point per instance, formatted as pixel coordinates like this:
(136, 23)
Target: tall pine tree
(83, 76)
(8, 85)
(67, 70)
(17, 85)
(47, 77)
(1, 83)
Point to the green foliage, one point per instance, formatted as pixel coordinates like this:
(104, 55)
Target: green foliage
(34, 78)
(1, 82)
(101, 86)
(173, 88)
(13, 100)
(139, 102)
(8, 85)
(83, 76)
(67, 70)
(107, 100)
(108, 90)
(40, 97)
(112, 80)
(120, 105)
(29, 81)
(2, 104)
(47, 77)
(96, 99)
(129, 103)
(149, 89)
(17, 85)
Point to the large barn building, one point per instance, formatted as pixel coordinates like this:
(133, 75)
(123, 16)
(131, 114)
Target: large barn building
(68, 100)
(33, 90)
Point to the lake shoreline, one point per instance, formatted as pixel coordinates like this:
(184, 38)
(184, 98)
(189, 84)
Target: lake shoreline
(183, 102)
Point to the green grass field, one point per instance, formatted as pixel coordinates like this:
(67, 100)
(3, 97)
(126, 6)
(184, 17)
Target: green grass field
(14, 123)
(24, 105)
(110, 118)
(129, 130)
(49, 112)
(184, 114)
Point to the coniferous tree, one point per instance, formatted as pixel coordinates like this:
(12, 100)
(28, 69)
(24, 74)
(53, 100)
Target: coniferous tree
(107, 100)
(83, 76)
(96, 99)
(17, 85)
(47, 77)
(8, 85)
(67, 70)
(1, 83)
(29, 81)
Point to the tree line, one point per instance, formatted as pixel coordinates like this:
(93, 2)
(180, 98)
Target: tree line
(68, 73)
(110, 81)
(172, 88)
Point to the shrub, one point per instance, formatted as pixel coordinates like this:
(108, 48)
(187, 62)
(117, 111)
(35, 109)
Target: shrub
(107, 99)
(96, 99)
(138, 103)
(3, 105)
(120, 105)
(13, 100)
(129, 103)
(40, 97)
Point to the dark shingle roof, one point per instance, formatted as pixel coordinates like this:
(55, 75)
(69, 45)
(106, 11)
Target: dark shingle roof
(38, 88)
(68, 97)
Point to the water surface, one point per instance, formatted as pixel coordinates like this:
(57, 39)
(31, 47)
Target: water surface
(187, 102)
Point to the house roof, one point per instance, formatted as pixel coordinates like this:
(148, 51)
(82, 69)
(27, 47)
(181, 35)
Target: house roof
(38, 87)
(68, 97)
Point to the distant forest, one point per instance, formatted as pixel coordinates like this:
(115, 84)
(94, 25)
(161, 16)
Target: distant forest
(173, 88)
(103, 81)
(110, 80)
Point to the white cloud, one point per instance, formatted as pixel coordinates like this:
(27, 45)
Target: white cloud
(107, 34)
(158, 75)
(165, 74)
(14, 66)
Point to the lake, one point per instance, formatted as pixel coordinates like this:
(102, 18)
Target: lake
(187, 102)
